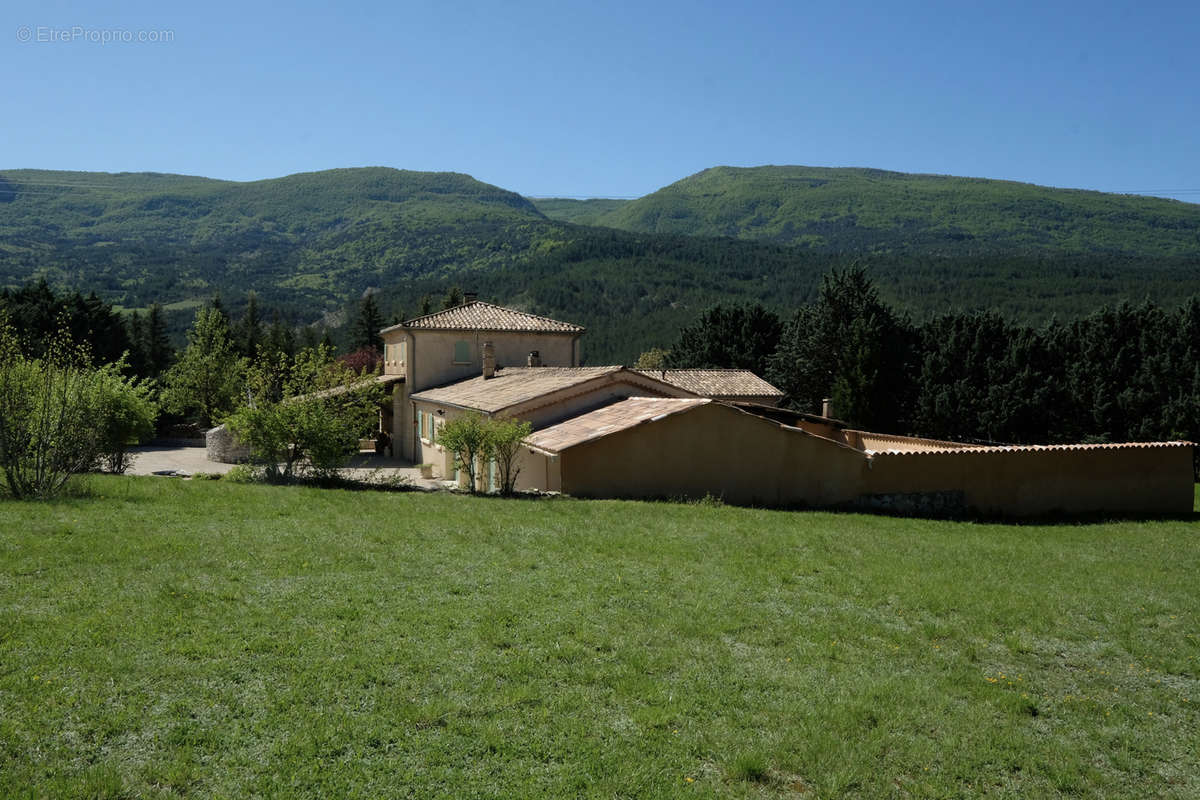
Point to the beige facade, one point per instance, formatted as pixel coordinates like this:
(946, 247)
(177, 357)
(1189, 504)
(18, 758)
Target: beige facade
(717, 449)
(447, 346)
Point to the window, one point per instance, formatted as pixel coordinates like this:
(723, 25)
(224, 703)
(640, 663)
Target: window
(462, 352)
(421, 424)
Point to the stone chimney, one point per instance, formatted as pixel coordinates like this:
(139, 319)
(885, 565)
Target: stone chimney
(535, 359)
(827, 408)
(489, 360)
(469, 297)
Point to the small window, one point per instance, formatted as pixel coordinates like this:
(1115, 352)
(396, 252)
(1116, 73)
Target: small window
(462, 352)
(421, 424)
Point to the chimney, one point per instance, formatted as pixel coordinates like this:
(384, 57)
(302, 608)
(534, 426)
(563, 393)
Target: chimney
(827, 408)
(469, 297)
(535, 359)
(489, 360)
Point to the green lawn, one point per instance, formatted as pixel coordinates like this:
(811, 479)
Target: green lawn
(164, 638)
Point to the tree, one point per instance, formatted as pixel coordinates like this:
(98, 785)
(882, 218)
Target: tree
(249, 331)
(155, 344)
(654, 358)
(426, 306)
(366, 328)
(207, 379)
(280, 338)
(505, 437)
(302, 417)
(124, 414)
(739, 337)
(60, 416)
(852, 347)
(454, 297)
(468, 438)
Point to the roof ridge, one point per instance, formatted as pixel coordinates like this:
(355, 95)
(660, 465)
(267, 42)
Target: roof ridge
(483, 305)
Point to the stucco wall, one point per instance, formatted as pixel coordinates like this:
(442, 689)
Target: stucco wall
(431, 362)
(1025, 482)
(714, 449)
(719, 450)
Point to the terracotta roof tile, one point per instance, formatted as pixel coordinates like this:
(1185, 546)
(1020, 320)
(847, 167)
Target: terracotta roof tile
(716, 383)
(479, 316)
(1027, 448)
(619, 416)
(511, 386)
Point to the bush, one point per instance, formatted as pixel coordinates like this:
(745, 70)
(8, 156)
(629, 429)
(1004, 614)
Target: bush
(59, 416)
(304, 417)
(466, 437)
(475, 439)
(125, 414)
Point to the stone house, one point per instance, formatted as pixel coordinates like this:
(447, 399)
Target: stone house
(610, 431)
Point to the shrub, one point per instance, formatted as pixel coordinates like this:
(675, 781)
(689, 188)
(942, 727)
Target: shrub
(125, 414)
(59, 416)
(302, 418)
(467, 437)
(505, 436)
(474, 439)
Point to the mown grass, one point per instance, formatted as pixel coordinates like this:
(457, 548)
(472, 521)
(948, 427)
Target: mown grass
(163, 638)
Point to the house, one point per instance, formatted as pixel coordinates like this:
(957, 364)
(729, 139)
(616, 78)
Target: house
(610, 431)
(447, 346)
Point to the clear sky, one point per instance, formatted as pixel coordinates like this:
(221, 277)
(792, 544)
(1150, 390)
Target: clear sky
(609, 99)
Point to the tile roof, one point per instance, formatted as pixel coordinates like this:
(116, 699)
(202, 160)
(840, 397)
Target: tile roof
(479, 316)
(718, 383)
(1027, 448)
(511, 386)
(619, 416)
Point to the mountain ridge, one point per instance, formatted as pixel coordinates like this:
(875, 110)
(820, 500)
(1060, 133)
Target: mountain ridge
(872, 210)
(309, 244)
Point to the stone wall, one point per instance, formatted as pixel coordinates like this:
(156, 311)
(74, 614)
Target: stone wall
(222, 447)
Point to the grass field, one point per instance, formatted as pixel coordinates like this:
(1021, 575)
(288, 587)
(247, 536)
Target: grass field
(162, 638)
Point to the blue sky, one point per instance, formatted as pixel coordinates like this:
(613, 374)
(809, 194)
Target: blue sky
(609, 99)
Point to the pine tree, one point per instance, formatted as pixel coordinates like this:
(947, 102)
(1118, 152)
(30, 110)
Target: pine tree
(453, 298)
(249, 332)
(737, 337)
(280, 339)
(366, 328)
(156, 345)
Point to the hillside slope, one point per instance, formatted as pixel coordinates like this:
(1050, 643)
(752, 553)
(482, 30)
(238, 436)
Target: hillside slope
(312, 238)
(311, 244)
(870, 210)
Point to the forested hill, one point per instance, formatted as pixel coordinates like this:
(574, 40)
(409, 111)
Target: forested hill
(310, 240)
(871, 210)
(310, 245)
